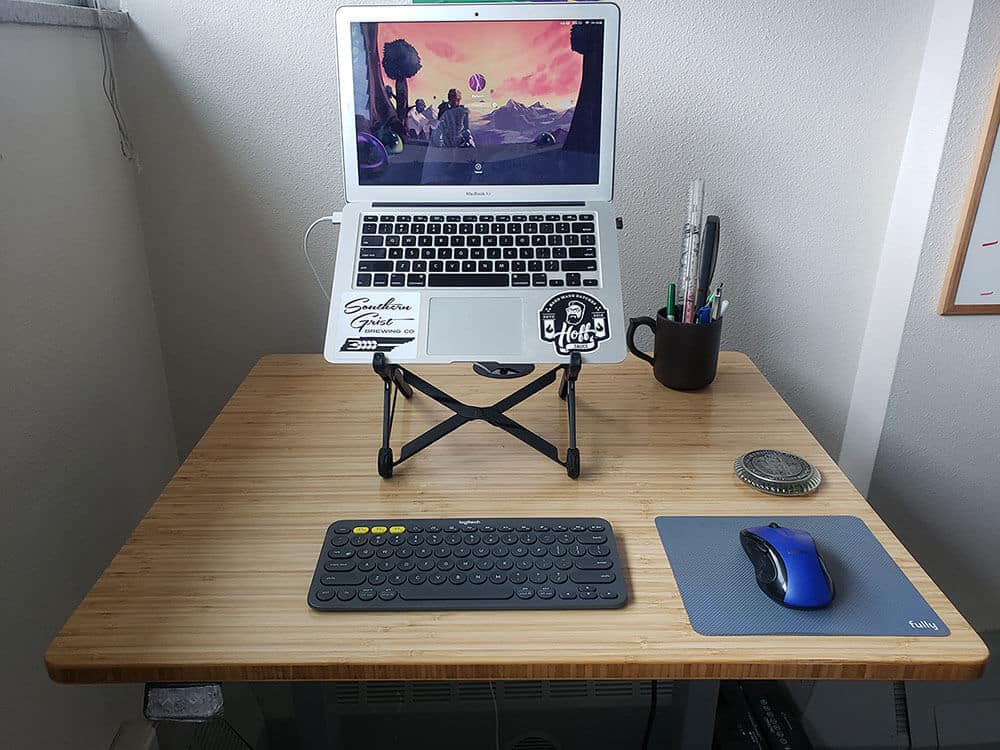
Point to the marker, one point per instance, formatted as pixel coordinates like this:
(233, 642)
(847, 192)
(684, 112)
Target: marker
(671, 300)
(705, 315)
(722, 310)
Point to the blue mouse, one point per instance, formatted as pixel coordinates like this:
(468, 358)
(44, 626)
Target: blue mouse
(788, 566)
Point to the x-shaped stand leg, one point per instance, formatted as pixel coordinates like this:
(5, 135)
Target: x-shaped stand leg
(398, 379)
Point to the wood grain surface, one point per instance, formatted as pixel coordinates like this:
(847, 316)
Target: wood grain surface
(212, 584)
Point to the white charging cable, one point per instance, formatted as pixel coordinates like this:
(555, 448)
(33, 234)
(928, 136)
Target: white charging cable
(334, 218)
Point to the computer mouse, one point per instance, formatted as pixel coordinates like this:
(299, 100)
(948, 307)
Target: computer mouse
(788, 566)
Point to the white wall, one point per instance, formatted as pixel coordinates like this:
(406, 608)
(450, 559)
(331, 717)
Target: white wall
(937, 477)
(794, 112)
(85, 434)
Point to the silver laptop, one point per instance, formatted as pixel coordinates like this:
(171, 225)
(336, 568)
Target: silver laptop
(479, 158)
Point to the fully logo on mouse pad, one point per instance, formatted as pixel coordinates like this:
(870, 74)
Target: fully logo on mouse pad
(573, 322)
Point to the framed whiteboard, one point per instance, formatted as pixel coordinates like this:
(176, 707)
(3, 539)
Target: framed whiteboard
(972, 285)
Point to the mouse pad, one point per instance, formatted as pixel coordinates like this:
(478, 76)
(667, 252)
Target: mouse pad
(721, 596)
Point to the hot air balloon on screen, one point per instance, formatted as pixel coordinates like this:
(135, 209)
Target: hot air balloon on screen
(477, 82)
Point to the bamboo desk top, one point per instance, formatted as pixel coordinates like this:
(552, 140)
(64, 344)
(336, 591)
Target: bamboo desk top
(212, 584)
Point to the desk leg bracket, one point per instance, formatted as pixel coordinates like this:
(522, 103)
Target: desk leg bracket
(397, 379)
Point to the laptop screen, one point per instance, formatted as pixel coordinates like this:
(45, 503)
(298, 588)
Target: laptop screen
(478, 102)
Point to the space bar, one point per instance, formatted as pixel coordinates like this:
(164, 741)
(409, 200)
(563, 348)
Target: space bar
(468, 279)
(454, 593)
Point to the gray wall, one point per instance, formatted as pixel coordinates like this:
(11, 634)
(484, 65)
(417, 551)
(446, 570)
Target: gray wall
(937, 474)
(794, 112)
(85, 434)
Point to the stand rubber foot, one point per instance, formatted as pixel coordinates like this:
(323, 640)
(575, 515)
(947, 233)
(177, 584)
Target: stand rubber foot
(573, 462)
(385, 462)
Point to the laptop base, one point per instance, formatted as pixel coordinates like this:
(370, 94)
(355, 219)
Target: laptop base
(397, 379)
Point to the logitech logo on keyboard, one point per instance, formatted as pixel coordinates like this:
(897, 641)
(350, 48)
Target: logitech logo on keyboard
(923, 625)
(470, 523)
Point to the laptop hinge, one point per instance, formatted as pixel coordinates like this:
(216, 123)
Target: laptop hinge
(485, 205)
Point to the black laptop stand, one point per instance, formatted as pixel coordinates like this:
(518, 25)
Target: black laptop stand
(398, 379)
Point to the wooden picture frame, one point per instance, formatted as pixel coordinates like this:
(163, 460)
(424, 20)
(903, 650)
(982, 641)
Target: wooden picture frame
(947, 304)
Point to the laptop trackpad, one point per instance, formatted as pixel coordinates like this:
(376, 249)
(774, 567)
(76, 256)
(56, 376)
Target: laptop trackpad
(470, 327)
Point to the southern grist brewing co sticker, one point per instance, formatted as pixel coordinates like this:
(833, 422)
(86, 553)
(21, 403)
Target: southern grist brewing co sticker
(369, 322)
(574, 322)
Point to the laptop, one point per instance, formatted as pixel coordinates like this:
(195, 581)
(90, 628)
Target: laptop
(479, 158)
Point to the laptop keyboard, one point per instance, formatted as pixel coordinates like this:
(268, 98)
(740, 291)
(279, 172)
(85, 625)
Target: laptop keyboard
(478, 250)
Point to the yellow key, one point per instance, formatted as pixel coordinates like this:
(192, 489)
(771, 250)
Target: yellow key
(397, 529)
(379, 529)
(360, 529)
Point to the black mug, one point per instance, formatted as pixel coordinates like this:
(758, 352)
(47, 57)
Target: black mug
(685, 355)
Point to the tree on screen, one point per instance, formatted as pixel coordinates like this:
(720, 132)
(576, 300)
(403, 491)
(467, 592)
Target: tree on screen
(400, 61)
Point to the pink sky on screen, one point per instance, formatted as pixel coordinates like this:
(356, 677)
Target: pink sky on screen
(526, 61)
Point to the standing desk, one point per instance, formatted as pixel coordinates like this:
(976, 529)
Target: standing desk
(211, 585)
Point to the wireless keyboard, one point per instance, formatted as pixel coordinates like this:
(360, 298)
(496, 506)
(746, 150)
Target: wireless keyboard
(468, 563)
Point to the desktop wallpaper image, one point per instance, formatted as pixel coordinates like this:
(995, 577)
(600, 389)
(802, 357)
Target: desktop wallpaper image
(482, 102)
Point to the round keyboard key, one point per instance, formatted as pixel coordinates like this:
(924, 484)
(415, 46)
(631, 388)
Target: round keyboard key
(466, 564)
(543, 564)
(546, 592)
(386, 565)
(607, 594)
(600, 551)
(538, 577)
(342, 529)
(364, 554)
(414, 540)
(453, 539)
(445, 565)
(481, 552)
(366, 566)
(541, 527)
(504, 564)
(498, 578)
(565, 539)
(397, 579)
(442, 552)
(340, 553)
(437, 578)
(558, 577)
(477, 578)
(385, 553)
(415, 528)
(433, 529)
(509, 539)
(491, 539)
(487, 529)
(456, 579)
(596, 527)
(564, 564)
(423, 552)
(588, 594)
(525, 563)
(387, 594)
(405, 566)
(376, 579)
(396, 540)
(500, 551)
(461, 552)
(484, 564)
(519, 551)
(417, 579)
(325, 595)
(451, 529)
(577, 528)
(558, 551)
(539, 551)
(339, 566)
(528, 539)
(435, 539)
(517, 577)
(425, 565)
(524, 592)
(377, 540)
(404, 552)
(524, 527)
(567, 595)
(546, 538)
(578, 550)
(505, 529)
(366, 595)
(471, 539)
(558, 528)
(345, 595)
(588, 588)
(359, 540)
(339, 541)
(592, 539)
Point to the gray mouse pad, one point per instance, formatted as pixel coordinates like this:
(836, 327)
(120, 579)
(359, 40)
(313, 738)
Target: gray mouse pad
(721, 596)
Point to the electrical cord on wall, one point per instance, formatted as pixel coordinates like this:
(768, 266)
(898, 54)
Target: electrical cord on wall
(496, 711)
(334, 218)
(109, 83)
(652, 715)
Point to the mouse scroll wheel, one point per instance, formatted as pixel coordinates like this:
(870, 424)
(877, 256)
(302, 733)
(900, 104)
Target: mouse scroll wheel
(773, 525)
